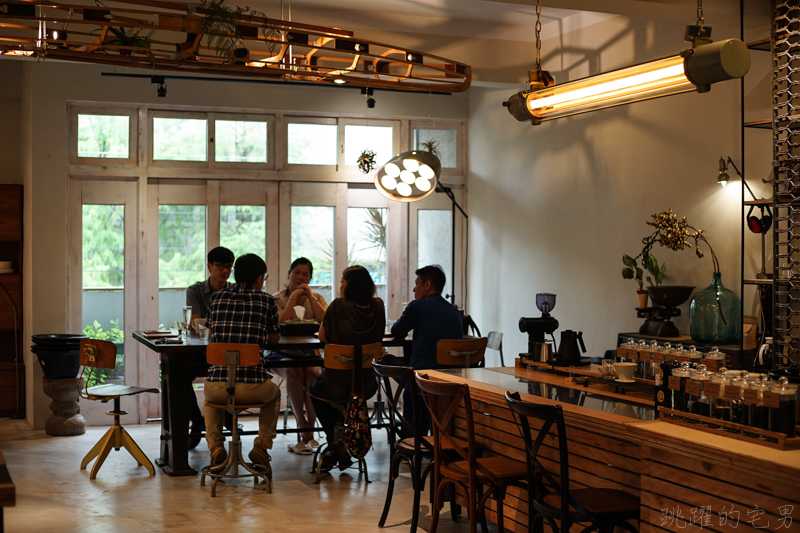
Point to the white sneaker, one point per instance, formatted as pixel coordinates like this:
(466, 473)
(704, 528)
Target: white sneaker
(313, 445)
(300, 448)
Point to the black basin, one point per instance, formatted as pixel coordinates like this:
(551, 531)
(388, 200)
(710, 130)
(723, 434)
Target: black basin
(670, 295)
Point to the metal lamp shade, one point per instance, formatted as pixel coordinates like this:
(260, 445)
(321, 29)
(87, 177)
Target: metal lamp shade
(408, 177)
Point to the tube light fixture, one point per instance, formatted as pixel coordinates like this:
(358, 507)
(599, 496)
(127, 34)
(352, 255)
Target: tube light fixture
(693, 69)
(409, 176)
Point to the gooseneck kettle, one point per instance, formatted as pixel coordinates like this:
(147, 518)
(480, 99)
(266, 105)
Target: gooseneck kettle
(568, 348)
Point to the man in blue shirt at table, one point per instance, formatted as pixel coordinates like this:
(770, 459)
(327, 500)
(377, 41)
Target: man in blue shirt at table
(432, 318)
(244, 314)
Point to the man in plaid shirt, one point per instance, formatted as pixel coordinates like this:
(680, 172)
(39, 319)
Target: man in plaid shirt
(243, 314)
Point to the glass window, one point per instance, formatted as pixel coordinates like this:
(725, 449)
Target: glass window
(312, 144)
(181, 257)
(179, 139)
(103, 272)
(375, 138)
(313, 238)
(366, 243)
(243, 228)
(435, 241)
(104, 136)
(240, 141)
(446, 143)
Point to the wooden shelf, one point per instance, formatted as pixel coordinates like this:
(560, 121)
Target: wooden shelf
(763, 201)
(759, 124)
(765, 45)
(757, 281)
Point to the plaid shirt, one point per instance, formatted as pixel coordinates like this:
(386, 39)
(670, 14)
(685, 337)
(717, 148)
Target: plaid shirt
(243, 315)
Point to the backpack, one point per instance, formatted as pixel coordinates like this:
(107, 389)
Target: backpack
(357, 434)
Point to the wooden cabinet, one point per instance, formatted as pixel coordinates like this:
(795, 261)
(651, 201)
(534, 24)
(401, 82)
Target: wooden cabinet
(12, 369)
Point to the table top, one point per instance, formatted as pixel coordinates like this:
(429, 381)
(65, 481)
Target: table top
(197, 345)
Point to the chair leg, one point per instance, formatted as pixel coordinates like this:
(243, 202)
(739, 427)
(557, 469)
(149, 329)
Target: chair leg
(95, 451)
(101, 457)
(388, 502)
(136, 452)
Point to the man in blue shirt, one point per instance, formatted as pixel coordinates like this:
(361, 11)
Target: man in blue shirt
(244, 314)
(432, 318)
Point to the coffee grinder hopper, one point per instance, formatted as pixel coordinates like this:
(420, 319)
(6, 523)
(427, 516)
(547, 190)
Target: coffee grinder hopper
(538, 327)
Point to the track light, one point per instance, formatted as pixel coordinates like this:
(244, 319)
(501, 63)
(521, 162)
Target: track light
(370, 99)
(162, 85)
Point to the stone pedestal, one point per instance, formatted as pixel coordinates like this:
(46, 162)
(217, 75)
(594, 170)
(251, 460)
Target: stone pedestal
(66, 419)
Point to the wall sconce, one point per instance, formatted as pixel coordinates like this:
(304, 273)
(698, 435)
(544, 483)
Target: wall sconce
(723, 178)
(693, 69)
(409, 176)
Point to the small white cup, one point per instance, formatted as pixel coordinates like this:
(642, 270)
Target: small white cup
(625, 370)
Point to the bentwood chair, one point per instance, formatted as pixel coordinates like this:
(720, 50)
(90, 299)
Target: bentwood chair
(464, 353)
(495, 342)
(552, 499)
(233, 355)
(445, 400)
(342, 357)
(103, 354)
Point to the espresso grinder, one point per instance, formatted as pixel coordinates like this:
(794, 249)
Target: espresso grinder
(538, 327)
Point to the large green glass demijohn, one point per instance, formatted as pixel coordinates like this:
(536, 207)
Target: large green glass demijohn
(715, 314)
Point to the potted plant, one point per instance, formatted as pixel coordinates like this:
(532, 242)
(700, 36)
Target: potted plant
(128, 37)
(632, 271)
(225, 35)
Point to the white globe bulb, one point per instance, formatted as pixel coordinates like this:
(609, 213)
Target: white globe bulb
(408, 177)
(404, 189)
(423, 184)
(426, 172)
(411, 164)
(392, 170)
(389, 183)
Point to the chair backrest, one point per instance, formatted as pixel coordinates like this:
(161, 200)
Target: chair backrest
(98, 354)
(549, 416)
(340, 356)
(232, 353)
(494, 340)
(399, 426)
(443, 399)
(460, 352)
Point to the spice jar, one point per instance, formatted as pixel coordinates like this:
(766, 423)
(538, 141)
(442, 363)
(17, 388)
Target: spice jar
(781, 400)
(734, 392)
(622, 349)
(681, 355)
(715, 390)
(753, 399)
(651, 374)
(695, 357)
(645, 356)
(677, 384)
(697, 401)
(714, 360)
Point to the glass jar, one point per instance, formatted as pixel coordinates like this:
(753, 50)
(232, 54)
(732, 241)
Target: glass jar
(697, 401)
(695, 357)
(653, 365)
(754, 401)
(681, 355)
(715, 390)
(714, 360)
(782, 404)
(715, 314)
(622, 350)
(677, 383)
(734, 393)
(644, 360)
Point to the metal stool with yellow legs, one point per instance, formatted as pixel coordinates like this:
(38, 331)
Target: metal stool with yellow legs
(103, 354)
(233, 355)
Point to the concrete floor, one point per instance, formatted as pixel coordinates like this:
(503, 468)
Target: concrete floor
(54, 494)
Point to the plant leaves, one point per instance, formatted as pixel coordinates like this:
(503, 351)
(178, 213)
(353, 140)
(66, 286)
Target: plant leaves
(628, 260)
(627, 273)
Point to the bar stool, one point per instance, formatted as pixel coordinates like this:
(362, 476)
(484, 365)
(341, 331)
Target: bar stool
(495, 342)
(233, 355)
(461, 352)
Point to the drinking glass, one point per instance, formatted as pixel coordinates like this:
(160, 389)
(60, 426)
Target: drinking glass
(187, 314)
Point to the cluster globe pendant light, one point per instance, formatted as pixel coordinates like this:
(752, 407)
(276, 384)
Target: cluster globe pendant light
(409, 176)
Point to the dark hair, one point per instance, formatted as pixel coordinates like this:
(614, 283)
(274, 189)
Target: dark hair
(302, 261)
(434, 274)
(360, 288)
(220, 255)
(248, 268)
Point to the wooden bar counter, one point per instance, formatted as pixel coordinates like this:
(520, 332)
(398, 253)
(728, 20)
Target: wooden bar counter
(687, 480)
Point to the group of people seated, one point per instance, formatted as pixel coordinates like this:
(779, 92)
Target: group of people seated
(244, 313)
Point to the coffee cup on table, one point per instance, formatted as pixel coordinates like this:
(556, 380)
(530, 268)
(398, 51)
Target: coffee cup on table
(625, 370)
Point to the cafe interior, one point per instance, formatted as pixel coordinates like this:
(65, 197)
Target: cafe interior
(527, 203)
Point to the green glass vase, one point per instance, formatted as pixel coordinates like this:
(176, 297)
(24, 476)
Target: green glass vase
(715, 314)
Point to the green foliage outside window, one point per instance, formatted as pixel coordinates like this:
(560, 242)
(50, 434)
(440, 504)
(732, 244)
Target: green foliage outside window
(115, 335)
(181, 245)
(103, 246)
(103, 136)
(242, 229)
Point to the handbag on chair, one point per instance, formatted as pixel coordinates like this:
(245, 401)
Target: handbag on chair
(357, 435)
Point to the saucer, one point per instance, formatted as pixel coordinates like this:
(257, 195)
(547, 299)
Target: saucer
(618, 380)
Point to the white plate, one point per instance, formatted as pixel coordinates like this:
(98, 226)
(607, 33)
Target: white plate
(6, 270)
(618, 380)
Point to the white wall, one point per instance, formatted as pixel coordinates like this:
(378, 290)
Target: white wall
(554, 207)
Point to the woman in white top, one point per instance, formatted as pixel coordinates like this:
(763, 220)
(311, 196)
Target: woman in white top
(298, 380)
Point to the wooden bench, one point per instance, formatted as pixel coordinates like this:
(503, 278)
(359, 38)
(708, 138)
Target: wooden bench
(7, 490)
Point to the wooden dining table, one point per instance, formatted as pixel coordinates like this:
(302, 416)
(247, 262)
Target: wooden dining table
(177, 373)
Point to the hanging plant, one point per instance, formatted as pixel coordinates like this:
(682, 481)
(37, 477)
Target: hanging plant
(127, 37)
(366, 161)
(224, 35)
(432, 147)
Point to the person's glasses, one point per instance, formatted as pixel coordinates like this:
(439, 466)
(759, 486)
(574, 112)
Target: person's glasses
(223, 266)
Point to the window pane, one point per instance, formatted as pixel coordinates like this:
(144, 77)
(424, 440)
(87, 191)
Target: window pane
(240, 141)
(312, 237)
(181, 256)
(103, 257)
(446, 144)
(366, 243)
(103, 136)
(360, 138)
(435, 241)
(179, 139)
(243, 229)
(312, 144)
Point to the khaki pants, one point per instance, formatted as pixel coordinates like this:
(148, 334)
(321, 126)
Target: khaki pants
(265, 393)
